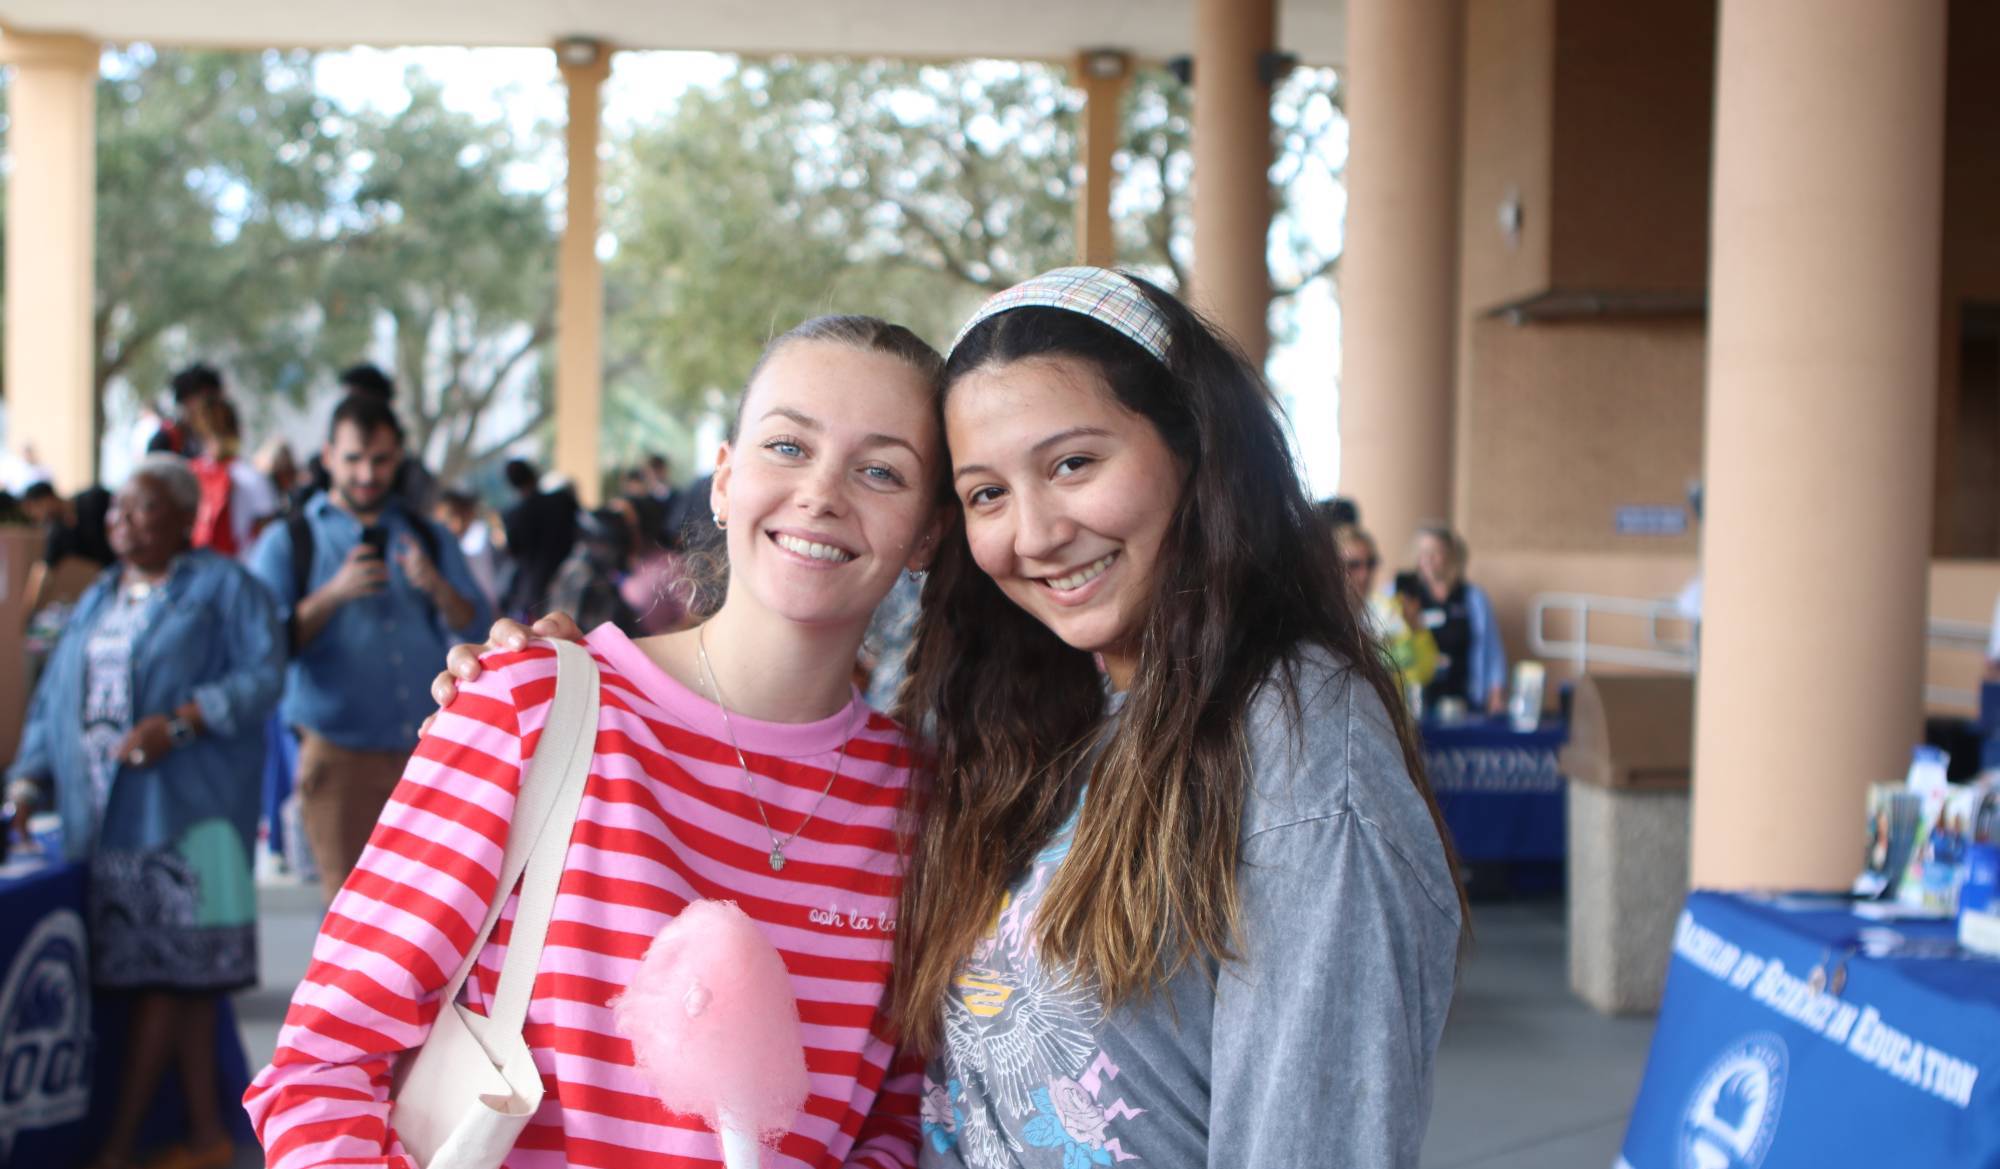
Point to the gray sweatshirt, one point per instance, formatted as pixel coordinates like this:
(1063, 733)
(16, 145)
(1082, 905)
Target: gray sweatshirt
(1315, 1048)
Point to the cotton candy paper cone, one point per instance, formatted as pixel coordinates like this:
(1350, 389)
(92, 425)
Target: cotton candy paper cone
(715, 1030)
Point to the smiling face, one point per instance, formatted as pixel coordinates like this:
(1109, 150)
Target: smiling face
(1067, 496)
(827, 489)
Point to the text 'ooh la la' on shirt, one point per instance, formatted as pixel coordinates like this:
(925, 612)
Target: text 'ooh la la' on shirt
(1314, 1048)
(665, 819)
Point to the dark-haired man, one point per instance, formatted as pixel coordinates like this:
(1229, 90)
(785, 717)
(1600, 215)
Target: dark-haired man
(373, 593)
(414, 481)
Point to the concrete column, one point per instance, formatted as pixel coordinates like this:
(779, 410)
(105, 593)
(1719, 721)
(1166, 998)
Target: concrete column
(580, 281)
(1103, 75)
(51, 348)
(1232, 168)
(1822, 393)
(1398, 274)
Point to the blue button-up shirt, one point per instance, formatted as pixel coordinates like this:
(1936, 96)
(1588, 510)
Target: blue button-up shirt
(364, 682)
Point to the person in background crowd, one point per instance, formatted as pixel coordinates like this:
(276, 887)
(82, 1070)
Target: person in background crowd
(1993, 646)
(886, 649)
(414, 484)
(656, 586)
(22, 471)
(458, 511)
(540, 529)
(147, 732)
(1396, 620)
(191, 387)
(659, 476)
(660, 485)
(1472, 663)
(632, 482)
(279, 465)
(371, 592)
(587, 585)
(237, 500)
(76, 541)
(685, 527)
(1338, 512)
(1687, 602)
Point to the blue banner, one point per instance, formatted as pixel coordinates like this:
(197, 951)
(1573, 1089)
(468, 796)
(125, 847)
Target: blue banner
(1795, 1035)
(45, 1014)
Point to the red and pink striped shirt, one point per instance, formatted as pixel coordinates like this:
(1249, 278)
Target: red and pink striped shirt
(666, 818)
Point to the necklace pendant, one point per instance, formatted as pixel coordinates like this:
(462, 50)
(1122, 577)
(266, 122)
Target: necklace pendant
(777, 859)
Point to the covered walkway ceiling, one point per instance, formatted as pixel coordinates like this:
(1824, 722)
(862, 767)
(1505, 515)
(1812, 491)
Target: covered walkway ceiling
(1314, 30)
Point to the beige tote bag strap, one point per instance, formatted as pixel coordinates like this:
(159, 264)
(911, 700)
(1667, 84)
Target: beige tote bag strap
(577, 735)
(544, 809)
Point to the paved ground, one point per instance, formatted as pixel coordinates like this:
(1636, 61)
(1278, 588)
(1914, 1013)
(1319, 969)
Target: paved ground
(1528, 1077)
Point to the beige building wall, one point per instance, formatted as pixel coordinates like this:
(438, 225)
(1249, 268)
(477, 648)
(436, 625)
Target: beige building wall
(1600, 119)
(1570, 420)
(1508, 144)
(1633, 113)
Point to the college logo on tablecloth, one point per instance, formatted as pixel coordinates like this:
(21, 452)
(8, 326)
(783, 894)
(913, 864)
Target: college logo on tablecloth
(45, 1031)
(1733, 1113)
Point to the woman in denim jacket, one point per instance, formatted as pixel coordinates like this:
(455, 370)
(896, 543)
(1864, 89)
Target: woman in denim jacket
(147, 731)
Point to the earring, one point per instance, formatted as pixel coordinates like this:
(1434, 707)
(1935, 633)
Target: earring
(721, 525)
(917, 575)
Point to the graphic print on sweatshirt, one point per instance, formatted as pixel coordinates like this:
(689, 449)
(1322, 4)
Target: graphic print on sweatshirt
(1022, 1080)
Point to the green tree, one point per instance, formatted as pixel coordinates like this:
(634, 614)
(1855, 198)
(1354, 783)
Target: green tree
(449, 247)
(908, 190)
(215, 177)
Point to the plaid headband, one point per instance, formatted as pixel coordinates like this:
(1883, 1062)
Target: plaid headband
(1101, 294)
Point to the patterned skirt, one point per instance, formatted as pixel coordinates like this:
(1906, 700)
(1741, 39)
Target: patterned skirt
(180, 918)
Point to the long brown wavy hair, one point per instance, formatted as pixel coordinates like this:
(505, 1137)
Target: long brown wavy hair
(1248, 576)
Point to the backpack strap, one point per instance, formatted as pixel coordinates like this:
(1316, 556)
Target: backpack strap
(301, 533)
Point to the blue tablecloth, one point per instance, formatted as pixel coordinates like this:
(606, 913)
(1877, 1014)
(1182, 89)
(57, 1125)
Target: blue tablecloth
(61, 1045)
(1499, 789)
(1896, 1063)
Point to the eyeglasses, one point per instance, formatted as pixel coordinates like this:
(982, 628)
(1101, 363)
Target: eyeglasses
(1362, 565)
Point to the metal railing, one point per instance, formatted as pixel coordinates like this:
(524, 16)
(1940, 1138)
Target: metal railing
(1677, 654)
(1660, 652)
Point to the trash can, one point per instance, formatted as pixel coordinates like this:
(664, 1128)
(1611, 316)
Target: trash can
(1628, 761)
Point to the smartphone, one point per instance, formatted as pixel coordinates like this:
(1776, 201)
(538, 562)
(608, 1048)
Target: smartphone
(1407, 585)
(376, 537)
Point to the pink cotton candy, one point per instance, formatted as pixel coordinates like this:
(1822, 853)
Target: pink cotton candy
(713, 1023)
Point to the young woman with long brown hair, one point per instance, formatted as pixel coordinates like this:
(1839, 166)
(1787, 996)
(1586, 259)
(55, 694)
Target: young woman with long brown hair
(1177, 891)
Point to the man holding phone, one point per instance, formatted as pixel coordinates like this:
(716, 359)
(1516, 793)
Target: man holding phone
(373, 595)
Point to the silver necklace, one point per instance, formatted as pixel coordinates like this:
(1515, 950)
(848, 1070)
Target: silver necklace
(777, 857)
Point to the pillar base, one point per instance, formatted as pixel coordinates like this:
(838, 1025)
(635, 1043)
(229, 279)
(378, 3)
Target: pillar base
(1628, 871)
